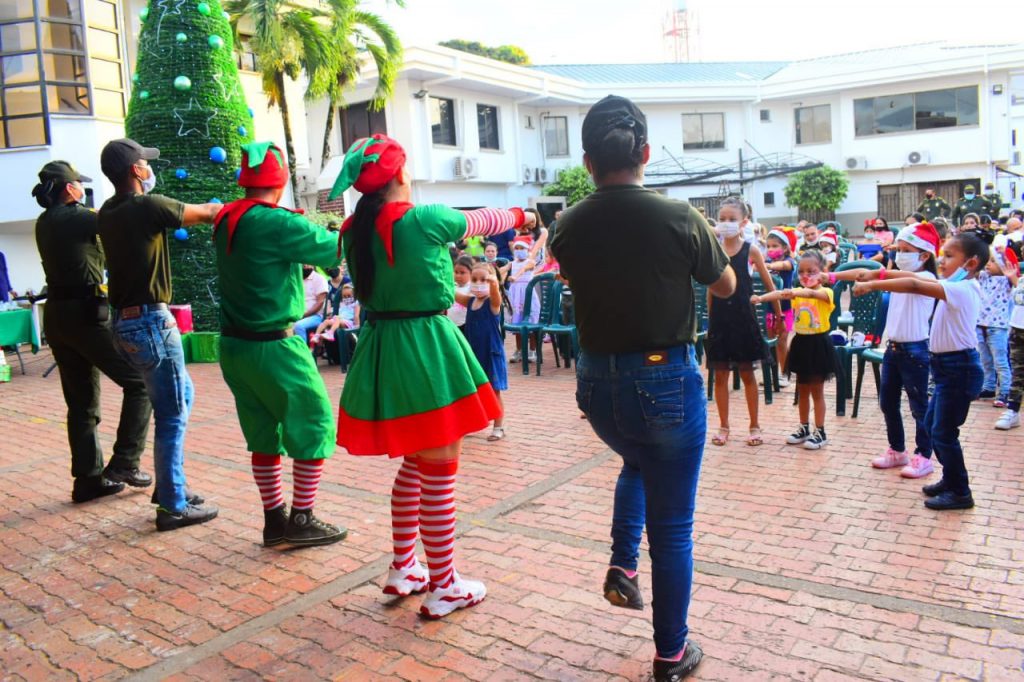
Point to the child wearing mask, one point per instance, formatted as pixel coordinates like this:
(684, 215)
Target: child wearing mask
(520, 272)
(462, 268)
(829, 250)
(781, 243)
(483, 331)
(997, 281)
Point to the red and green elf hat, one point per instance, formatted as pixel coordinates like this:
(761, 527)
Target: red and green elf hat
(370, 163)
(263, 165)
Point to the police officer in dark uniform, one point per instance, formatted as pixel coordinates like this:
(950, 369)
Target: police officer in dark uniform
(932, 207)
(994, 198)
(78, 331)
(970, 202)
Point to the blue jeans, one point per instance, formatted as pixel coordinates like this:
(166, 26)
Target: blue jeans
(958, 378)
(306, 325)
(993, 346)
(152, 344)
(905, 368)
(655, 417)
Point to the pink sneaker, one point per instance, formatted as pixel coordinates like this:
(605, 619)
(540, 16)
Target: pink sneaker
(890, 460)
(919, 467)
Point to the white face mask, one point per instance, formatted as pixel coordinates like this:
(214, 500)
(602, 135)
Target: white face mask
(520, 254)
(150, 182)
(908, 262)
(347, 300)
(830, 257)
(727, 228)
(479, 288)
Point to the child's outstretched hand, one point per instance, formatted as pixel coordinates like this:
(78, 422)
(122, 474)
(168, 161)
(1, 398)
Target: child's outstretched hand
(755, 300)
(861, 288)
(866, 275)
(786, 294)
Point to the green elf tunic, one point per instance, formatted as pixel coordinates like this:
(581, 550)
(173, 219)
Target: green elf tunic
(414, 383)
(282, 403)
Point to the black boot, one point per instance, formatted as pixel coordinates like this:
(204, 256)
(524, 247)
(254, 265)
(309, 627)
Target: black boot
(133, 477)
(275, 523)
(306, 530)
(92, 487)
(674, 671)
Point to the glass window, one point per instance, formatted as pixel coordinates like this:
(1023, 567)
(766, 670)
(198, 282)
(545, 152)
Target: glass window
(67, 99)
(25, 132)
(62, 36)
(16, 9)
(894, 114)
(918, 111)
(62, 9)
(101, 13)
(22, 100)
(487, 126)
(105, 74)
(18, 37)
(556, 136)
(967, 106)
(814, 124)
(63, 67)
(103, 44)
(703, 131)
(109, 103)
(20, 68)
(935, 109)
(442, 121)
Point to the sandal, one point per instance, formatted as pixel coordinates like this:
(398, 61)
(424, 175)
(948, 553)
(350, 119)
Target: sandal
(721, 438)
(755, 438)
(497, 433)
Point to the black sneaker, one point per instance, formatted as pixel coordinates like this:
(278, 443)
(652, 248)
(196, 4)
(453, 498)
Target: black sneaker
(192, 514)
(193, 498)
(948, 499)
(933, 489)
(621, 590)
(800, 435)
(306, 530)
(673, 671)
(817, 441)
(132, 477)
(275, 522)
(91, 488)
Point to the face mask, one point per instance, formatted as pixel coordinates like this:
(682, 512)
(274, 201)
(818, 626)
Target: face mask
(968, 196)
(830, 257)
(521, 254)
(149, 183)
(479, 288)
(870, 236)
(809, 281)
(490, 259)
(727, 229)
(810, 242)
(776, 254)
(347, 300)
(306, 272)
(958, 276)
(908, 262)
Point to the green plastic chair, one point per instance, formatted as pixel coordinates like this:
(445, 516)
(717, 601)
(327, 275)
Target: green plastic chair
(544, 287)
(559, 328)
(861, 317)
(874, 354)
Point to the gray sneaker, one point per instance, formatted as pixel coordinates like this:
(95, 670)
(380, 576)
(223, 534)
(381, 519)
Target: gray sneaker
(1008, 420)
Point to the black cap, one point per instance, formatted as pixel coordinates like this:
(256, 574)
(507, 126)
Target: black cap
(610, 113)
(61, 172)
(120, 155)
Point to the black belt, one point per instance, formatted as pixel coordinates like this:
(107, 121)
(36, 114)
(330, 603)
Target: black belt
(374, 315)
(135, 311)
(249, 335)
(71, 293)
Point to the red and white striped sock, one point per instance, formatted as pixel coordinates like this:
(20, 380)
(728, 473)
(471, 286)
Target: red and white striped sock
(437, 518)
(405, 512)
(266, 470)
(306, 478)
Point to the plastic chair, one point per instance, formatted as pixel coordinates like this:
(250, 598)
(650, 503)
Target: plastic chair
(847, 252)
(344, 349)
(873, 354)
(562, 328)
(700, 310)
(546, 297)
(861, 317)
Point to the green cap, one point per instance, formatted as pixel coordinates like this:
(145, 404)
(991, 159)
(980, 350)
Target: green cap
(61, 171)
(969, 188)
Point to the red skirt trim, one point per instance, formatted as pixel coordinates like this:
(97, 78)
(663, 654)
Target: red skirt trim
(415, 432)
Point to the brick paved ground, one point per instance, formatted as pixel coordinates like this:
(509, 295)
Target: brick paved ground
(811, 566)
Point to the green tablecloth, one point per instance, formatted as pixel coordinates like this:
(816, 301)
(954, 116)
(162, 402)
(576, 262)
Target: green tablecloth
(17, 327)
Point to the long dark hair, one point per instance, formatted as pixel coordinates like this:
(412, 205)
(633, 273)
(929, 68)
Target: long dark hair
(360, 254)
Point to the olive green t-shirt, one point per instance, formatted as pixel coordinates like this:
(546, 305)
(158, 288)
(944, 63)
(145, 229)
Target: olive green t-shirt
(133, 228)
(67, 242)
(629, 255)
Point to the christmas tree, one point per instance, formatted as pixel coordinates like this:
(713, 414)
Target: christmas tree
(187, 100)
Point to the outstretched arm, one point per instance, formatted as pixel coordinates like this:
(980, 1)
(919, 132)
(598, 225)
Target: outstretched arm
(769, 285)
(489, 221)
(903, 285)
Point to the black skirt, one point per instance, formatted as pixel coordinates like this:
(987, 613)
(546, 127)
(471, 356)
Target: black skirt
(812, 358)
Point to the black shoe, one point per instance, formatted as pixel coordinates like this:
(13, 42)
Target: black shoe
(933, 489)
(986, 394)
(193, 498)
(190, 516)
(275, 522)
(948, 499)
(673, 671)
(306, 530)
(132, 477)
(621, 590)
(801, 435)
(86, 489)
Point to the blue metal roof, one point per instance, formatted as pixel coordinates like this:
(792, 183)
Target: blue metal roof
(704, 72)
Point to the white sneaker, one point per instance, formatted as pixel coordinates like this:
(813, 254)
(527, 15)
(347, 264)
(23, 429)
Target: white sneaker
(533, 356)
(1008, 420)
(516, 357)
(460, 594)
(405, 581)
(783, 382)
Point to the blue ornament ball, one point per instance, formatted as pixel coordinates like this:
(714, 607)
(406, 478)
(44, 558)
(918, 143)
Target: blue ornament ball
(215, 200)
(238, 173)
(181, 173)
(252, 114)
(181, 234)
(218, 154)
(241, 130)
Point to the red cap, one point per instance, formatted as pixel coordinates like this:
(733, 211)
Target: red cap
(370, 163)
(263, 165)
(526, 240)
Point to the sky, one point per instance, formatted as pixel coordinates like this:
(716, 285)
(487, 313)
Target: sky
(630, 31)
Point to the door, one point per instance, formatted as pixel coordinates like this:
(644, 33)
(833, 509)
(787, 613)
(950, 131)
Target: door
(358, 121)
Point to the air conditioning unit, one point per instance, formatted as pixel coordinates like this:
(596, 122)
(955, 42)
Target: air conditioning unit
(465, 167)
(856, 163)
(527, 174)
(542, 175)
(918, 158)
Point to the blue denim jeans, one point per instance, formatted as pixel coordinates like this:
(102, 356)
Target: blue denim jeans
(655, 417)
(304, 326)
(993, 346)
(152, 344)
(958, 378)
(905, 368)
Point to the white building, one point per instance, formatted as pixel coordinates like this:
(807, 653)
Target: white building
(481, 132)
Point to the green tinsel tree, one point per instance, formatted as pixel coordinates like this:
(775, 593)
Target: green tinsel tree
(187, 100)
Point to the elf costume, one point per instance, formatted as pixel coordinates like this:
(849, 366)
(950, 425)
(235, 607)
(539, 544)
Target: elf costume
(281, 401)
(414, 383)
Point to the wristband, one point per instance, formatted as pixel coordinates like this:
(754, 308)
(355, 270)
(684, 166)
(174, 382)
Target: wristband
(881, 274)
(831, 279)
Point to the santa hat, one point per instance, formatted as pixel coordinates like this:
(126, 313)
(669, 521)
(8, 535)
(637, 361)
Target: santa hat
(922, 236)
(525, 240)
(263, 165)
(369, 165)
(786, 235)
(829, 238)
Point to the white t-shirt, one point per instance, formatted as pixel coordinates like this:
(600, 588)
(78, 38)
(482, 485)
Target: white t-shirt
(1001, 240)
(314, 285)
(908, 316)
(457, 313)
(956, 318)
(1017, 314)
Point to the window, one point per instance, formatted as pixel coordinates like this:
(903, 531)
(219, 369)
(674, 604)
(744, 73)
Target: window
(703, 131)
(358, 120)
(769, 199)
(105, 58)
(556, 136)
(1017, 88)
(918, 111)
(487, 126)
(245, 58)
(814, 124)
(442, 121)
(766, 115)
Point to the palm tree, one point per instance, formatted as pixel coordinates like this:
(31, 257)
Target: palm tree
(287, 40)
(352, 32)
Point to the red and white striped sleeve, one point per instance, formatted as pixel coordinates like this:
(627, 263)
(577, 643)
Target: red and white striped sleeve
(489, 221)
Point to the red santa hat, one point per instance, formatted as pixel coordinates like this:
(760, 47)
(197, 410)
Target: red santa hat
(829, 238)
(263, 165)
(786, 235)
(370, 164)
(922, 236)
(523, 239)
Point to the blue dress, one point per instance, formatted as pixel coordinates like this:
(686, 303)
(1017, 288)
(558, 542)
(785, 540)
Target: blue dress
(483, 331)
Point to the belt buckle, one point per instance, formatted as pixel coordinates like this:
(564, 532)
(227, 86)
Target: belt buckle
(655, 358)
(131, 313)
